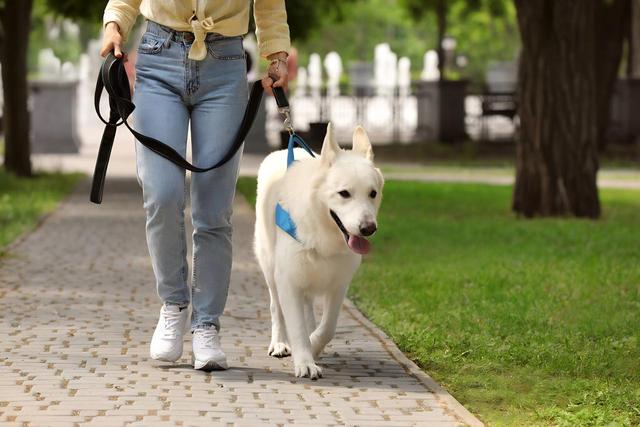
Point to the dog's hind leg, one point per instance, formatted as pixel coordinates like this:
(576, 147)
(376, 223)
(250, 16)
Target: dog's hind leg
(278, 346)
(292, 301)
(327, 327)
(309, 316)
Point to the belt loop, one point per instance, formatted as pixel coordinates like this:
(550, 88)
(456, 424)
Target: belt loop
(167, 40)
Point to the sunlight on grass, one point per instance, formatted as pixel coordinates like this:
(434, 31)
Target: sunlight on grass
(24, 200)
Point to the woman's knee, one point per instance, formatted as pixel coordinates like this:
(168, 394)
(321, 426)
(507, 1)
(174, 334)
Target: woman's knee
(211, 221)
(163, 199)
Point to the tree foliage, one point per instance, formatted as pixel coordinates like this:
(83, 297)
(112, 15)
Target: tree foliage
(303, 15)
(481, 36)
(306, 15)
(361, 26)
(78, 9)
(419, 9)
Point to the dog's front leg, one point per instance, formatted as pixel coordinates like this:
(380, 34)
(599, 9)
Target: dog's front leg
(292, 303)
(326, 330)
(278, 346)
(309, 316)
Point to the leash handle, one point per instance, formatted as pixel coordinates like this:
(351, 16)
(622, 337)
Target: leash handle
(283, 107)
(281, 97)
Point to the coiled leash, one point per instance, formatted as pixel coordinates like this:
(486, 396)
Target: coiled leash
(113, 78)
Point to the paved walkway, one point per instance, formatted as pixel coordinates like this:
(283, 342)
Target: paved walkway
(78, 307)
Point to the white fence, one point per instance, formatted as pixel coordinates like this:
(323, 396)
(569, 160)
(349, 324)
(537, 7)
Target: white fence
(386, 119)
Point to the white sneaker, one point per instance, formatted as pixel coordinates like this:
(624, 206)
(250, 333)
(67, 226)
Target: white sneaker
(166, 343)
(207, 354)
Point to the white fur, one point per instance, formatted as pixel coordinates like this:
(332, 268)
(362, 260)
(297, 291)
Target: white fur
(320, 264)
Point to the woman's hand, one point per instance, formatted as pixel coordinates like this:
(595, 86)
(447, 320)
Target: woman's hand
(278, 73)
(112, 40)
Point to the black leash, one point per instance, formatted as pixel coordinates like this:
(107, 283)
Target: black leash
(113, 78)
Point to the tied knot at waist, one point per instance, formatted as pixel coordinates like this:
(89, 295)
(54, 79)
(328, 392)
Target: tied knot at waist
(198, 49)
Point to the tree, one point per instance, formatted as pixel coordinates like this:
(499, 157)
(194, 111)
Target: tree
(78, 9)
(15, 18)
(14, 21)
(420, 8)
(570, 56)
(362, 25)
(633, 67)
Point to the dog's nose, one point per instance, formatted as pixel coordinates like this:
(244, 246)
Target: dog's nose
(368, 229)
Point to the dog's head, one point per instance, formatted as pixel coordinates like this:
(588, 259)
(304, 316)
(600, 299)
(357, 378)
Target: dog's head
(352, 189)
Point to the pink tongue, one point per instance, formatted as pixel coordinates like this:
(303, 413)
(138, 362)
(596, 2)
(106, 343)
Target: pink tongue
(359, 245)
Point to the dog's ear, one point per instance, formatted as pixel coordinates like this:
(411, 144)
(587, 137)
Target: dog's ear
(330, 147)
(361, 143)
(380, 178)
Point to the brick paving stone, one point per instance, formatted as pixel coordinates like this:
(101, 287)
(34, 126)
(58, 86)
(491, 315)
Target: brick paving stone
(78, 307)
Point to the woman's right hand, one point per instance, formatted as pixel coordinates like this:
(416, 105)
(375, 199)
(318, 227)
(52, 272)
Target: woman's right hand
(112, 40)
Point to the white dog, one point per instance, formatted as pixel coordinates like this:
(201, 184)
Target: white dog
(332, 202)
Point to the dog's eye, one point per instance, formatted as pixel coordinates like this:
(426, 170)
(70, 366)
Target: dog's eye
(373, 194)
(345, 194)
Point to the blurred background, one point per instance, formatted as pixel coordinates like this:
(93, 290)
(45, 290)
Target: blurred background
(429, 79)
(372, 62)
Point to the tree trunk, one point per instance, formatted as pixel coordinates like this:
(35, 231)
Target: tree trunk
(441, 15)
(560, 92)
(634, 45)
(612, 27)
(15, 19)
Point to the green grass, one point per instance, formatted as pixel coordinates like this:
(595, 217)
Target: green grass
(24, 200)
(480, 171)
(525, 322)
(247, 187)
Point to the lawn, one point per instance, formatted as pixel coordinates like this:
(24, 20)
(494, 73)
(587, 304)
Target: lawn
(24, 200)
(524, 322)
(479, 171)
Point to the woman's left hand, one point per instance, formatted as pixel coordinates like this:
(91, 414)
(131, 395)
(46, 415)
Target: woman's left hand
(278, 73)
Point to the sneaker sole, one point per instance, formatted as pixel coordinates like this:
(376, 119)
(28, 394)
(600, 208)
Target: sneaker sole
(164, 358)
(209, 365)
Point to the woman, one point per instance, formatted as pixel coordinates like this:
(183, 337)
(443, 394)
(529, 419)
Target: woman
(191, 69)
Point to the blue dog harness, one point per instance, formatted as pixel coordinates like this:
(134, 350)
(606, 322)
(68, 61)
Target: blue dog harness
(283, 219)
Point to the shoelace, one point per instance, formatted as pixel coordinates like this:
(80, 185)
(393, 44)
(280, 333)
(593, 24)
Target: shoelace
(208, 337)
(171, 322)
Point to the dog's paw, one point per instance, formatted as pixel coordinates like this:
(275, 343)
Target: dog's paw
(279, 349)
(308, 369)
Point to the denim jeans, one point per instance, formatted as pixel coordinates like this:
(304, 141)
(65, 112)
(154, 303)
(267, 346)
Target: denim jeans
(172, 92)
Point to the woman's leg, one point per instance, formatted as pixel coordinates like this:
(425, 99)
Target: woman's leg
(161, 113)
(218, 107)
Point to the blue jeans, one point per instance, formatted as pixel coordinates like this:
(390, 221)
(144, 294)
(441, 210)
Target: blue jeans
(171, 92)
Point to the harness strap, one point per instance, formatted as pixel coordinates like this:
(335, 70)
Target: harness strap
(294, 139)
(285, 222)
(283, 218)
(113, 78)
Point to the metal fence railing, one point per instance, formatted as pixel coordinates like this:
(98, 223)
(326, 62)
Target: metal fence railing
(387, 119)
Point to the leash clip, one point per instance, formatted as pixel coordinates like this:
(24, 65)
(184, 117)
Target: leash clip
(283, 108)
(288, 123)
